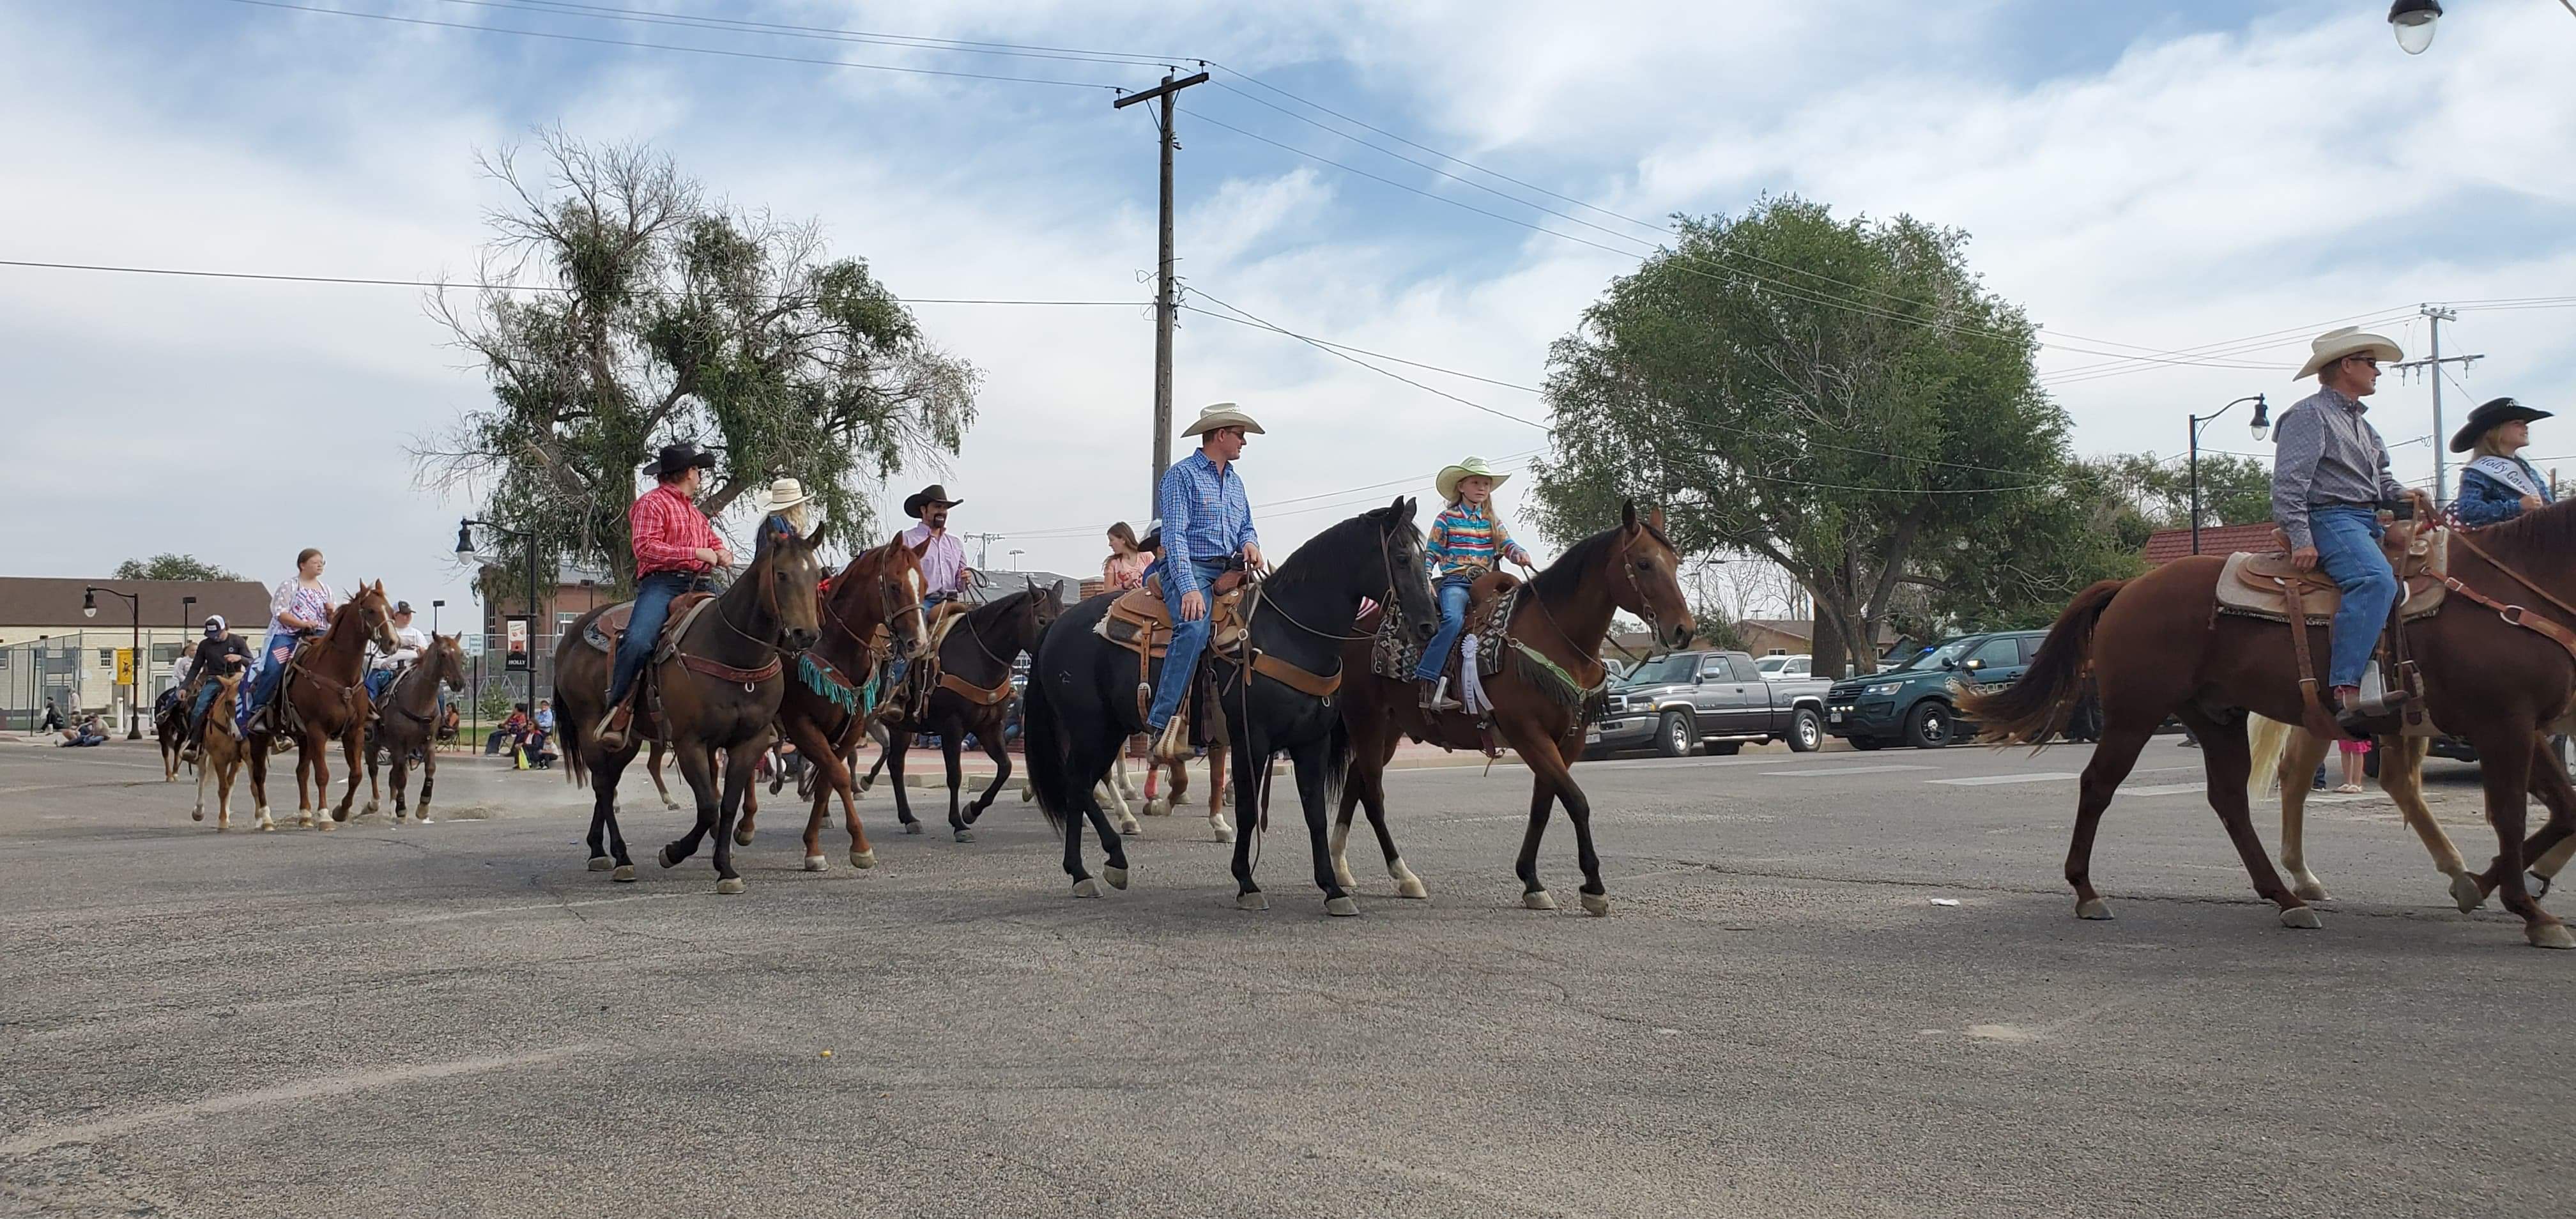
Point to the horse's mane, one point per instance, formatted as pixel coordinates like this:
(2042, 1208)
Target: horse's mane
(998, 608)
(1557, 581)
(2548, 532)
(1308, 560)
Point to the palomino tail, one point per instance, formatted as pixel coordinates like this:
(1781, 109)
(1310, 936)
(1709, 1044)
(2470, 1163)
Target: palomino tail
(1042, 747)
(2031, 710)
(2270, 739)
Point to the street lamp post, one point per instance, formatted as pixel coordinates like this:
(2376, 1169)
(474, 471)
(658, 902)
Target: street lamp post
(433, 616)
(465, 554)
(2262, 428)
(134, 668)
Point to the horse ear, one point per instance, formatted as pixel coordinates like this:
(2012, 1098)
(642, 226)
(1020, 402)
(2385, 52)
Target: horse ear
(1657, 520)
(920, 550)
(1628, 515)
(1056, 594)
(815, 538)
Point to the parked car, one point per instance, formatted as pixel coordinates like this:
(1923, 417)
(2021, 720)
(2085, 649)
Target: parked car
(1785, 667)
(1915, 702)
(1716, 701)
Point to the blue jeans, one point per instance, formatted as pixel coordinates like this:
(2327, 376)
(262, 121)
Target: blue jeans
(897, 667)
(265, 676)
(377, 680)
(653, 596)
(1188, 640)
(1454, 591)
(206, 692)
(2347, 541)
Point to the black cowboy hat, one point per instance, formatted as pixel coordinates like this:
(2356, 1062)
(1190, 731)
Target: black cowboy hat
(2487, 418)
(920, 501)
(675, 458)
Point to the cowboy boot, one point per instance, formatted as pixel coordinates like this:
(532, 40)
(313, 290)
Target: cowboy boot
(1174, 743)
(612, 729)
(1435, 696)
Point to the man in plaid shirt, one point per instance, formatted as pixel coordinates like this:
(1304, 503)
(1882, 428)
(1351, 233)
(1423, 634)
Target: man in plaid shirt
(675, 548)
(1207, 530)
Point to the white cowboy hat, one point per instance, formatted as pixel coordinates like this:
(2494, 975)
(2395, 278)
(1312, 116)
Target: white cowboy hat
(2334, 345)
(784, 494)
(1222, 414)
(1473, 467)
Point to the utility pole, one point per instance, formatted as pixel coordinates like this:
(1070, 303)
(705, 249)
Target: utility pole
(2439, 315)
(1165, 307)
(983, 547)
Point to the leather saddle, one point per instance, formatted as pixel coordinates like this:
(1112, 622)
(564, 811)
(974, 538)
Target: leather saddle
(1139, 621)
(605, 630)
(2254, 585)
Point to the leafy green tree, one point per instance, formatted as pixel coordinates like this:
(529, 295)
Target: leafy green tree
(1840, 396)
(173, 567)
(663, 317)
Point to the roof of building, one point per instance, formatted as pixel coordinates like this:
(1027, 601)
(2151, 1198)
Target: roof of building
(2166, 545)
(56, 601)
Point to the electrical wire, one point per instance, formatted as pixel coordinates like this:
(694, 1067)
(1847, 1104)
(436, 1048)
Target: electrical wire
(610, 12)
(1265, 324)
(431, 283)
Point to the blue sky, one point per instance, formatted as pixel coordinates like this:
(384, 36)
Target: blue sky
(2146, 177)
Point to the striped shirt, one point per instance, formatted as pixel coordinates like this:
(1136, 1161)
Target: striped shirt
(942, 564)
(2326, 453)
(668, 531)
(1465, 538)
(1205, 516)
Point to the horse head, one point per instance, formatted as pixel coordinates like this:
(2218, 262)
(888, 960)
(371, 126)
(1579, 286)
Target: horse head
(1644, 577)
(376, 614)
(785, 570)
(447, 660)
(1039, 612)
(1406, 568)
(902, 586)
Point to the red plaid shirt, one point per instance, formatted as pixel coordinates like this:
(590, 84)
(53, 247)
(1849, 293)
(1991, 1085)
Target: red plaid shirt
(668, 531)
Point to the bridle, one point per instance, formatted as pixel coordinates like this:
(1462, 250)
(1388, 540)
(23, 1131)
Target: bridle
(873, 646)
(1644, 608)
(1386, 561)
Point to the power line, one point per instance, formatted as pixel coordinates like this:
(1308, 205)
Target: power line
(1339, 494)
(564, 8)
(1207, 313)
(1265, 324)
(431, 283)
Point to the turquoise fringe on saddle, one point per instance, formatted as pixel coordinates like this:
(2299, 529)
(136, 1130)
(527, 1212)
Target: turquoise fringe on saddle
(821, 678)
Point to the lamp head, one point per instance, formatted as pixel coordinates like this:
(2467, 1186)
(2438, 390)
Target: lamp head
(2262, 418)
(464, 542)
(89, 603)
(2413, 21)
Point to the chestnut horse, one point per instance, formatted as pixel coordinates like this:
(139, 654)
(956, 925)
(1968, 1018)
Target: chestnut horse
(2494, 677)
(323, 683)
(873, 612)
(220, 755)
(973, 695)
(1563, 615)
(718, 689)
(407, 723)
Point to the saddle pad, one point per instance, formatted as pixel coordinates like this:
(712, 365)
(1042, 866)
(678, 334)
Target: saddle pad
(2243, 590)
(1395, 653)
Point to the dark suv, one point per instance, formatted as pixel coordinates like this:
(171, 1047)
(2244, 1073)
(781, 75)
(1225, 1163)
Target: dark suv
(1913, 702)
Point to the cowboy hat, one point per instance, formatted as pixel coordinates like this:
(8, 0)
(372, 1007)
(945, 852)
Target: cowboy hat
(921, 501)
(1473, 467)
(784, 494)
(2489, 417)
(2334, 345)
(676, 458)
(1222, 414)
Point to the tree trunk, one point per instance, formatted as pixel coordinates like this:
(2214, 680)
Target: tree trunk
(1829, 650)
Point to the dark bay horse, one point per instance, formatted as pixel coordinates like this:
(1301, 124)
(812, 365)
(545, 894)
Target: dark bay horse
(1539, 711)
(2493, 676)
(974, 695)
(407, 722)
(874, 612)
(324, 684)
(1080, 704)
(718, 689)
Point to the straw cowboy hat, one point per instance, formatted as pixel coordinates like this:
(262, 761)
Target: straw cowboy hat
(2334, 345)
(920, 501)
(1222, 414)
(2494, 414)
(784, 494)
(1473, 467)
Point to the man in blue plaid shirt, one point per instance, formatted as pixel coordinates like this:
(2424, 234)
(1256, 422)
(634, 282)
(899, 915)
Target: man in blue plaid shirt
(1207, 527)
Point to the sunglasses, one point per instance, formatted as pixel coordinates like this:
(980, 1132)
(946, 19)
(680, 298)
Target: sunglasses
(2370, 362)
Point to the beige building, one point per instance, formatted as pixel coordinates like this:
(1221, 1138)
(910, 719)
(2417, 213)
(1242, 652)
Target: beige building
(50, 649)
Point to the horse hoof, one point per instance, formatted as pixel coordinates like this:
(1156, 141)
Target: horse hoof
(422, 819)
(2301, 918)
(1537, 899)
(670, 805)
(2093, 908)
(814, 863)
(742, 838)
(624, 875)
(861, 859)
(1411, 886)
(2549, 935)
(965, 835)
(196, 814)
(1222, 834)
(666, 858)
(1116, 876)
(325, 824)
(1158, 807)
(601, 863)
(2467, 893)
(1086, 887)
(912, 827)
(371, 807)
(1341, 907)
(2310, 891)
(267, 826)
(1255, 900)
(1596, 904)
(730, 885)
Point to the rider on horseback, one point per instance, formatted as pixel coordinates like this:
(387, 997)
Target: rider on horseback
(220, 654)
(1206, 531)
(1464, 541)
(944, 574)
(298, 608)
(675, 549)
(385, 666)
(2329, 478)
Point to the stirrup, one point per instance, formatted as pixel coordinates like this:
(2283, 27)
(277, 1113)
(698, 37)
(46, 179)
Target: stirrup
(1435, 697)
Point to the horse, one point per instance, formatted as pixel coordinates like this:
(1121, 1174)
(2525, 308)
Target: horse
(1541, 698)
(323, 686)
(717, 686)
(1119, 798)
(220, 755)
(408, 722)
(1081, 699)
(874, 611)
(170, 729)
(2495, 672)
(973, 695)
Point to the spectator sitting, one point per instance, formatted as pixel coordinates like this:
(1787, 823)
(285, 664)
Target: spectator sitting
(510, 733)
(538, 749)
(86, 734)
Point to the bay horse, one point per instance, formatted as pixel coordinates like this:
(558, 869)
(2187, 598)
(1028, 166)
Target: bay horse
(1539, 707)
(2495, 670)
(973, 695)
(407, 723)
(1081, 700)
(220, 755)
(717, 689)
(874, 611)
(324, 685)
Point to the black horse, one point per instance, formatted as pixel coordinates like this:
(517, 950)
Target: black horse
(978, 654)
(1080, 706)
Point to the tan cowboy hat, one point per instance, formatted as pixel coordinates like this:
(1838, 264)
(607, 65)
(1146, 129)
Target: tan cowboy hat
(784, 494)
(1222, 414)
(1473, 467)
(2334, 345)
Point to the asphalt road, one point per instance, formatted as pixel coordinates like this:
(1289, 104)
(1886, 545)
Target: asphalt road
(1835, 984)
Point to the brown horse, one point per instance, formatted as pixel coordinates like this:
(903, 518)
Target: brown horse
(323, 684)
(407, 723)
(873, 613)
(973, 695)
(717, 688)
(221, 754)
(2493, 677)
(1539, 709)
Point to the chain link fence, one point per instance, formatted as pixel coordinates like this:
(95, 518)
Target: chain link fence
(76, 672)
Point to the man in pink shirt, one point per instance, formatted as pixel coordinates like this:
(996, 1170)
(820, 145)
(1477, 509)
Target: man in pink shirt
(944, 574)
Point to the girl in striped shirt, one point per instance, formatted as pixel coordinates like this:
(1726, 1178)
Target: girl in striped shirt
(1464, 541)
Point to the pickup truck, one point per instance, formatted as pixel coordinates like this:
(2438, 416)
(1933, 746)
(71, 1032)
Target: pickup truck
(1716, 701)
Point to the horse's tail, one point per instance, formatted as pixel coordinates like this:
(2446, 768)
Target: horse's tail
(2031, 710)
(2270, 738)
(1042, 747)
(568, 727)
